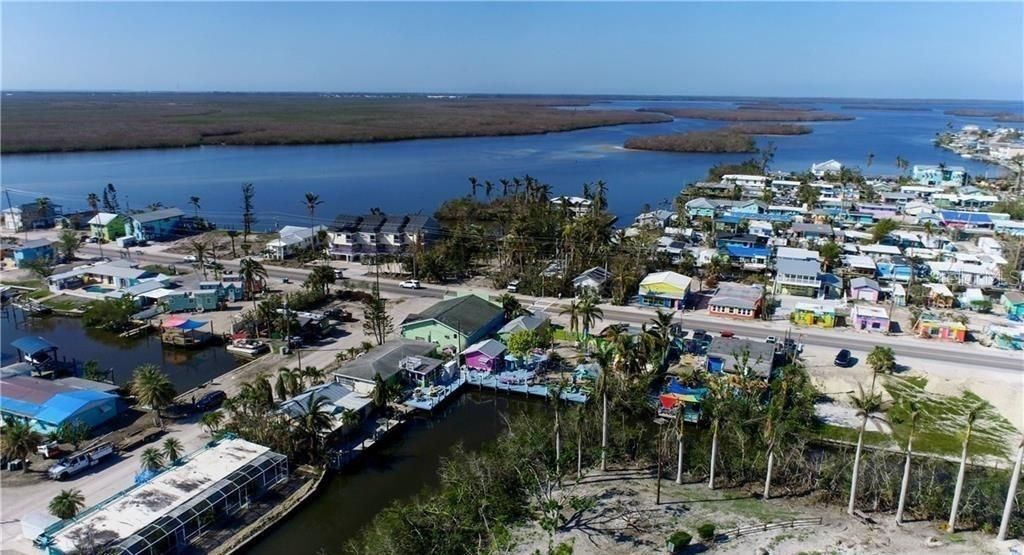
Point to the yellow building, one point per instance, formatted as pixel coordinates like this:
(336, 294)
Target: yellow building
(665, 289)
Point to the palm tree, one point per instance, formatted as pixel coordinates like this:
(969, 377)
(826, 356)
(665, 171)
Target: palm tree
(603, 356)
(555, 397)
(866, 404)
(311, 201)
(152, 389)
(194, 201)
(151, 459)
(313, 423)
(287, 383)
(1011, 493)
(67, 504)
(680, 429)
(172, 450)
(212, 421)
(661, 334)
(881, 359)
(771, 432)
(713, 405)
(314, 375)
(574, 315)
(915, 414)
(972, 416)
(589, 313)
(473, 185)
(199, 250)
(232, 235)
(511, 305)
(253, 274)
(380, 391)
(18, 441)
(94, 202)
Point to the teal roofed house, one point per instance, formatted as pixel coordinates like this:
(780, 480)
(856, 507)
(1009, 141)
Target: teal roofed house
(155, 225)
(46, 404)
(455, 323)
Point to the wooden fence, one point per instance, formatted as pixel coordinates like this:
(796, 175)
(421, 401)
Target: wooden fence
(769, 526)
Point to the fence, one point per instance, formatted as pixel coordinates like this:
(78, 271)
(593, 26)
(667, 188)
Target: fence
(767, 527)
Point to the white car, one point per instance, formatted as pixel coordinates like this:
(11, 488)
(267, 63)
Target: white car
(411, 284)
(190, 258)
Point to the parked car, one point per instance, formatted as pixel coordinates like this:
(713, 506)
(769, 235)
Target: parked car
(844, 359)
(49, 450)
(211, 400)
(771, 339)
(411, 284)
(512, 286)
(727, 333)
(339, 273)
(190, 258)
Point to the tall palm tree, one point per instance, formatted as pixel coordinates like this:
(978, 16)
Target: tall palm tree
(603, 356)
(473, 185)
(93, 201)
(866, 404)
(172, 450)
(771, 431)
(151, 459)
(915, 414)
(680, 429)
(1011, 493)
(871, 158)
(18, 441)
(253, 275)
(972, 416)
(67, 504)
(660, 333)
(152, 389)
(311, 375)
(573, 311)
(194, 201)
(589, 313)
(287, 383)
(199, 250)
(713, 405)
(311, 201)
(313, 423)
(881, 359)
(510, 305)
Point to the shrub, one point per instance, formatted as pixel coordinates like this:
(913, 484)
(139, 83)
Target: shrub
(678, 541)
(706, 531)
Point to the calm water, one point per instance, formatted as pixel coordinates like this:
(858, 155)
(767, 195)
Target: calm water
(399, 469)
(418, 175)
(186, 368)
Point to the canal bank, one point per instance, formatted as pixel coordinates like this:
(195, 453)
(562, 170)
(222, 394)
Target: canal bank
(396, 470)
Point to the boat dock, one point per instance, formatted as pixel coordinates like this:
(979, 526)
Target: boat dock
(430, 398)
(354, 448)
(519, 382)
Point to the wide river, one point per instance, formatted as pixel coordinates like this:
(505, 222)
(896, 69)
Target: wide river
(418, 175)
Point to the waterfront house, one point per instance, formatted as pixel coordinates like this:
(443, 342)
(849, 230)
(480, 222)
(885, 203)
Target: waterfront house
(155, 225)
(737, 300)
(592, 280)
(973, 275)
(106, 226)
(292, 240)
(934, 326)
(384, 360)
(485, 356)
(34, 216)
(101, 278)
(740, 240)
(748, 258)
(797, 277)
(10, 219)
(869, 318)
(353, 237)
(537, 322)
(814, 314)
(654, 218)
(1009, 227)
(1013, 303)
(821, 169)
(741, 180)
(735, 356)
(665, 289)
(940, 175)
(338, 401)
(895, 269)
(46, 404)
(865, 289)
(454, 323)
(35, 249)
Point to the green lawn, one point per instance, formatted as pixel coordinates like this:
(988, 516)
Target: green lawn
(849, 435)
(66, 302)
(176, 269)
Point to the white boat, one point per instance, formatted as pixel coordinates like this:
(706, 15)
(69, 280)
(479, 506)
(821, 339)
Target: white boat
(248, 347)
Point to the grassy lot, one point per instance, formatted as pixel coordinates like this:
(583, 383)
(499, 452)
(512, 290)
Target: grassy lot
(66, 302)
(832, 432)
(175, 270)
(47, 122)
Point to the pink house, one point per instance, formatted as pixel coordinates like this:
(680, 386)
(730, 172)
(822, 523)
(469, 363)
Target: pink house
(486, 355)
(865, 289)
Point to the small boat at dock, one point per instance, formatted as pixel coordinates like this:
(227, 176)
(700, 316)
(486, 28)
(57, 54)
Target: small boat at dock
(248, 347)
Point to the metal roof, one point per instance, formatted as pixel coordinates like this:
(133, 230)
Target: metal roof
(157, 215)
(466, 314)
(489, 347)
(384, 359)
(32, 345)
(735, 353)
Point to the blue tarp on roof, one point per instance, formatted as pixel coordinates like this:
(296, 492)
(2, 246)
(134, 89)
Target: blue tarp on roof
(32, 345)
(22, 408)
(738, 251)
(63, 406)
(965, 217)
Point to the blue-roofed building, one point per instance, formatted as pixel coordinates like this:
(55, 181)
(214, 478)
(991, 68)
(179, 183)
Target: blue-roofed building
(36, 249)
(46, 404)
(750, 258)
(155, 225)
(955, 218)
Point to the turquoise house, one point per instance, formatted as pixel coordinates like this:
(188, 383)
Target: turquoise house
(455, 323)
(37, 249)
(190, 300)
(156, 225)
(1013, 302)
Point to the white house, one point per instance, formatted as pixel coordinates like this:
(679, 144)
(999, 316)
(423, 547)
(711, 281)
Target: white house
(823, 168)
(10, 219)
(591, 280)
(291, 240)
(974, 275)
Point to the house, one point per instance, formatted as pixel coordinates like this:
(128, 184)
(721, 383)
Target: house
(1008, 227)
(485, 356)
(878, 250)
(592, 280)
(966, 220)
(733, 356)
(748, 258)
(758, 181)
(339, 401)
(536, 322)
(940, 296)
(934, 327)
(895, 269)
(865, 289)
(879, 211)
(1005, 337)
(859, 265)
(665, 289)
(737, 300)
(740, 240)
(821, 169)
(941, 175)
(101, 278)
(353, 237)
(853, 217)
(655, 218)
(576, 206)
(812, 231)
(46, 404)
(869, 318)
(454, 323)
(795, 253)
(1013, 303)
(899, 295)
(972, 275)
(155, 225)
(39, 216)
(797, 277)
(292, 240)
(106, 226)
(10, 219)
(36, 249)
(814, 314)
(384, 360)
(991, 246)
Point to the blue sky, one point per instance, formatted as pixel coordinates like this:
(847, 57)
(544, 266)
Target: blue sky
(881, 50)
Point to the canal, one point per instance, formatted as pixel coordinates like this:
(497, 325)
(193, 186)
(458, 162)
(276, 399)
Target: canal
(186, 368)
(398, 469)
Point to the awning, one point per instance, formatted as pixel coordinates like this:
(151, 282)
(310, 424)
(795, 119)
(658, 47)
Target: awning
(32, 345)
(185, 324)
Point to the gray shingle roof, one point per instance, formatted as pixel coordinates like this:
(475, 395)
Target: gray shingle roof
(466, 314)
(863, 282)
(797, 267)
(384, 359)
(732, 351)
(156, 215)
